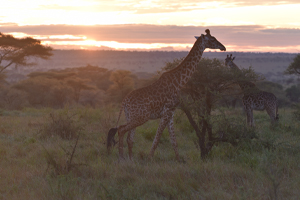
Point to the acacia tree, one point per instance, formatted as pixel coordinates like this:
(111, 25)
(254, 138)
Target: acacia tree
(294, 67)
(78, 85)
(97, 76)
(39, 90)
(210, 83)
(18, 50)
(54, 88)
(123, 83)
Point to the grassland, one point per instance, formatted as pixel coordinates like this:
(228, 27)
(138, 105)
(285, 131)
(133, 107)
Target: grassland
(37, 163)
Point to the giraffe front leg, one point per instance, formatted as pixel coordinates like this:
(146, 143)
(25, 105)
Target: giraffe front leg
(173, 137)
(250, 120)
(130, 126)
(130, 142)
(161, 127)
(249, 116)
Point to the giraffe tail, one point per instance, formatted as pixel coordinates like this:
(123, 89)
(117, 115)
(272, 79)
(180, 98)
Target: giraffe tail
(110, 138)
(112, 132)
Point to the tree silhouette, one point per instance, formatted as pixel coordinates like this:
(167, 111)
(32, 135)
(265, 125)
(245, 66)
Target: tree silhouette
(12, 99)
(294, 67)
(78, 85)
(210, 83)
(52, 75)
(123, 83)
(18, 50)
(39, 90)
(293, 93)
(98, 76)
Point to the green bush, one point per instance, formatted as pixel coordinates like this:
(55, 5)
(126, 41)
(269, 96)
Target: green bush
(62, 123)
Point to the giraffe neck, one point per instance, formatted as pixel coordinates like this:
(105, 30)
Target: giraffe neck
(180, 75)
(246, 86)
(234, 66)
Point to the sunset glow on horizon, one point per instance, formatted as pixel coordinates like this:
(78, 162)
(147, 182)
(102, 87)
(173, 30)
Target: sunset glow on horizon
(142, 25)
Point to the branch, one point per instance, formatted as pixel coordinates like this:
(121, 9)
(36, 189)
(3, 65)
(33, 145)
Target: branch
(70, 161)
(1, 70)
(190, 118)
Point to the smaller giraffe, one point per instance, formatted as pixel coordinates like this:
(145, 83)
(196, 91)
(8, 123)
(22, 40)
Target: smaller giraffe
(254, 98)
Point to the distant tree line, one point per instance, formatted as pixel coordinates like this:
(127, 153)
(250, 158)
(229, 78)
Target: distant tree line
(97, 86)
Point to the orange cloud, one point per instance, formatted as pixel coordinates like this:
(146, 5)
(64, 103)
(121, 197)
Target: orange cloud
(157, 37)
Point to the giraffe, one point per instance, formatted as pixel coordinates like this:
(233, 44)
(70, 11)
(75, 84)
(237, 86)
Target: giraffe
(254, 98)
(160, 99)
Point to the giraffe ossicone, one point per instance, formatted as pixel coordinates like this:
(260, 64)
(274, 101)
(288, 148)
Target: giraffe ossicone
(159, 100)
(254, 98)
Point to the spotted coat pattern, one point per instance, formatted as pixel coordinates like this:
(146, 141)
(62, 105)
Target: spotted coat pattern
(254, 98)
(160, 99)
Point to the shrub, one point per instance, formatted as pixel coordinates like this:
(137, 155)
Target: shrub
(63, 124)
(63, 163)
(297, 111)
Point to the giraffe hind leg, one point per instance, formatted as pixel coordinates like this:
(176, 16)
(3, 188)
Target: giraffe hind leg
(249, 114)
(130, 126)
(272, 114)
(173, 138)
(130, 142)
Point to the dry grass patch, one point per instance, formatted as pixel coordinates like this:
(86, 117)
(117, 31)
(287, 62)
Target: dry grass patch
(246, 171)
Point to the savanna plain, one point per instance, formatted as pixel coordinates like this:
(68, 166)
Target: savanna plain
(61, 154)
(54, 126)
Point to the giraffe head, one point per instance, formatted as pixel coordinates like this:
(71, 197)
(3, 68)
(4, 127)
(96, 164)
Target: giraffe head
(229, 61)
(208, 41)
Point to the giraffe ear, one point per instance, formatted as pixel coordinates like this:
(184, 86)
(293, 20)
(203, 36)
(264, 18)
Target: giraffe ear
(196, 37)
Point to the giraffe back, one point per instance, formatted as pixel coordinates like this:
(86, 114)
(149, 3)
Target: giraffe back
(260, 100)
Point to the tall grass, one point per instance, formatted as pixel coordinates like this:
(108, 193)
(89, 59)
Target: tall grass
(266, 167)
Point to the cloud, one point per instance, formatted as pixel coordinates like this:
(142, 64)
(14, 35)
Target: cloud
(239, 37)
(147, 7)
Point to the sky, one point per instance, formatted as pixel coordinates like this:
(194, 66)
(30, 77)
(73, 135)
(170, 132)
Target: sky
(168, 25)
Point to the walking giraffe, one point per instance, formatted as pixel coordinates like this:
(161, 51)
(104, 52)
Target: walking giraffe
(254, 98)
(160, 99)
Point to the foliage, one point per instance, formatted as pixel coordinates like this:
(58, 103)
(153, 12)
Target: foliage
(294, 67)
(78, 85)
(97, 76)
(123, 83)
(296, 113)
(54, 89)
(203, 93)
(17, 51)
(52, 75)
(276, 89)
(62, 166)
(45, 91)
(293, 93)
(12, 99)
(63, 124)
